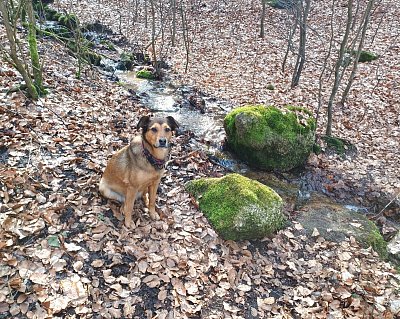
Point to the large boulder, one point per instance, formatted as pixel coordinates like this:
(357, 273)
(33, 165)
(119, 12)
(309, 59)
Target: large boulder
(336, 223)
(271, 139)
(237, 207)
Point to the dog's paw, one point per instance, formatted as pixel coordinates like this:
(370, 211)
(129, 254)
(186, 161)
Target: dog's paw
(153, 214)
(127, 219)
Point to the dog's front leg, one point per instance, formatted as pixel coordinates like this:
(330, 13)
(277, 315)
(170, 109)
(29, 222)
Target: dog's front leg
(127, 207)
(152, 200)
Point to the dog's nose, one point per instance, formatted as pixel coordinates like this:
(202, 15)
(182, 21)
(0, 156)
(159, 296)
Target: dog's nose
(162, 141)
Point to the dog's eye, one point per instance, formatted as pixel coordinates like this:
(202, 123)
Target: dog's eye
(153, 129)
(167, 129)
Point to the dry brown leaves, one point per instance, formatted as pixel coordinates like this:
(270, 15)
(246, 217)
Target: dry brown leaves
(229, 60)
(64, 254)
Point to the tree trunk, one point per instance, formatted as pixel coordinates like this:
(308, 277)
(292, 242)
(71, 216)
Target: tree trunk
(33, 49)
(173, 35)
(292, 32)
(185, 32)
(338, 74)
(365, 23)
(325, 66)
(263, 2)
(301, 56)
(153, 37)
(17, 63)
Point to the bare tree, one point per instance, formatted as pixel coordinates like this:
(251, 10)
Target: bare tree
(364, 26)
(302, 9)
(15, 55)
(185, 33)
(173, 32)
(339, 67)
(347, 47)
(264, 5)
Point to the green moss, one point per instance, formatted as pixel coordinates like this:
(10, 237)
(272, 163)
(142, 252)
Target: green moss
(68, 20)
(376, 241)
(92, 57)
(145, 74)
(366, 56)
(126, 61)
(270, 87)
(108, 44)
(51, 14)
(237, 207)
(339, 145)
(268, 138)
(317, 148)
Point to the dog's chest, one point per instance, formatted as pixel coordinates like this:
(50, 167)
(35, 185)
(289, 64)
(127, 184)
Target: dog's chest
(145, 178)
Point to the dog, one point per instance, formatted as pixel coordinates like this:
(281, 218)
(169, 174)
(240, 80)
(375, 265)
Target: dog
(136, 169)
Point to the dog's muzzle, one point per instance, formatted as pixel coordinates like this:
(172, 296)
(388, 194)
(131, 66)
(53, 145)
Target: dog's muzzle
(162, 142)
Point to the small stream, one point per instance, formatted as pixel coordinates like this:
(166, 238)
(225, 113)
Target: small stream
(165, 99)
(202, 116)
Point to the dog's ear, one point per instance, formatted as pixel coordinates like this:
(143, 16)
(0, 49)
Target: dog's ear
(172, 123)
(143, 123)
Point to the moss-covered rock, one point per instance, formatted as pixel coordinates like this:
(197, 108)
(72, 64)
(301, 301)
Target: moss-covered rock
(145, 74)
(269, 138)
(237, 207)
(367, 56)
(68, 20)
(126, 62)
(281, 4)
(336, 223)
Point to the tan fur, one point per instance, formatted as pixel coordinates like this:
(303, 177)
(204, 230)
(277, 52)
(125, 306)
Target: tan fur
(129, 174)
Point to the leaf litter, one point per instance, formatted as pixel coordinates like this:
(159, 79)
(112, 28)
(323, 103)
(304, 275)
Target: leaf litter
(64, 253)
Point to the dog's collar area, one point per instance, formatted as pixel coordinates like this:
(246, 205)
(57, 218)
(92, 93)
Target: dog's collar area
(155, 162)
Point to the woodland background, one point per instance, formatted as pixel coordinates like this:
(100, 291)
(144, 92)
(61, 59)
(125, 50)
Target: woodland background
(63, 254)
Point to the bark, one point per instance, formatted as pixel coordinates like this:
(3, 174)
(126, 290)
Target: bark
(263, 2)
(325, 66)
(33, 49)
(185, 32)
(13, 52)
(301, 56)
(153, 36)
(338, 73)
(365, 24)
(173, 35)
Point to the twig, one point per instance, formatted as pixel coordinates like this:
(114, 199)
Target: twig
(387, 205)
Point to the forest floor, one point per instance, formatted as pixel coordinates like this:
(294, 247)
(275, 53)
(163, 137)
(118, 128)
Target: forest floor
(64, 254)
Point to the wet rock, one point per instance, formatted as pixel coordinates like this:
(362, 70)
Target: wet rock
(282, 4)
(336, 223)
(126, 62)
(98, 27)
(394, 247)
(146, 73)
(395, 307)
(197, 102)
(238, 208)
(270, 139)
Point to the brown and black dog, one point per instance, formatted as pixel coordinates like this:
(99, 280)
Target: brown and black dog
(136, 170)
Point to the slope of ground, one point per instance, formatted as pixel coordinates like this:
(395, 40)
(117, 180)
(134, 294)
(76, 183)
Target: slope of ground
(230, 61)
(64, 254)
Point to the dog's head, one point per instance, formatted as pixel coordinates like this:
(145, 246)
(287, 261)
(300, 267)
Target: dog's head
(157, 131)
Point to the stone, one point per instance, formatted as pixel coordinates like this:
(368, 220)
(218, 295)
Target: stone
(336, 223)
(269, 138)
(237, 207)
(395, 307)
(394, 247)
